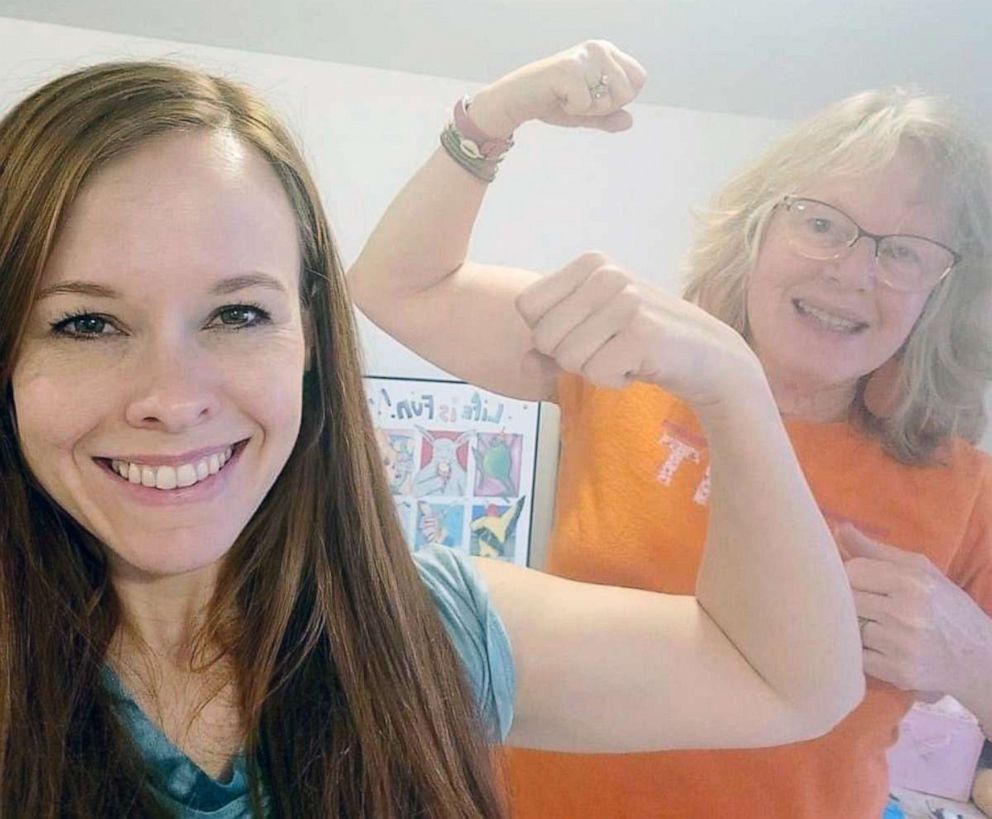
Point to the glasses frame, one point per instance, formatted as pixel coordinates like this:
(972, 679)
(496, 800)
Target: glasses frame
(790, 199)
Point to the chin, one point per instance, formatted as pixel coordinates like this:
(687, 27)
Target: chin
(167, 560)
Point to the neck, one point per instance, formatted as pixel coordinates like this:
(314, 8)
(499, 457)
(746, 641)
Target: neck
(804, 402)
(162, 615)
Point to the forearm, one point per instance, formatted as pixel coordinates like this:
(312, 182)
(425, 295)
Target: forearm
(771, 577)
(423, 236)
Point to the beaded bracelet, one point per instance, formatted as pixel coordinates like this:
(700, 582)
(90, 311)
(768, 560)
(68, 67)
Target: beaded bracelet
(477, 152)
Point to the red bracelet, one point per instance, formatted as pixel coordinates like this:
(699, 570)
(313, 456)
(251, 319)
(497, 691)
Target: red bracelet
(490, 147)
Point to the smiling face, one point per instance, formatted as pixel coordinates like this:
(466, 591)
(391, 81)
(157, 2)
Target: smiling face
(180, 263)
(818, 326)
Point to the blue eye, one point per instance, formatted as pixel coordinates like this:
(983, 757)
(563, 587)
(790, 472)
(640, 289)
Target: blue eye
(236, 310)
(87, 325)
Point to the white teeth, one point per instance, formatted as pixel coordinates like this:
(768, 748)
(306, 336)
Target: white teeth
(165, 477)
(169, 477)
(186, 475)
(830, 320)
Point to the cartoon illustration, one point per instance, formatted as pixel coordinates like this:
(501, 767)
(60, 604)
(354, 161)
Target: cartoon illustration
(396, 447)
(404, 511)
(497, 464)
(459, 462)
(494, 529)
(439, 524)
(445, 470)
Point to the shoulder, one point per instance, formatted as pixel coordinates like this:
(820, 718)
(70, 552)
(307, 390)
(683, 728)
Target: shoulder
(964, 462)
(451, 580)
(475, 629)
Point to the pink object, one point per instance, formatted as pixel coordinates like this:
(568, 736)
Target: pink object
(937, 753)
(489, 146)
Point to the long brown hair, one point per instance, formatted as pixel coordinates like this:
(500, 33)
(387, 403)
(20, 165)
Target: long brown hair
(353, 700)
(946, 363)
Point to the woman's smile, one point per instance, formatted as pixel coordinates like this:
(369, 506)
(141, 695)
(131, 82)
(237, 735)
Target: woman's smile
(151, 480)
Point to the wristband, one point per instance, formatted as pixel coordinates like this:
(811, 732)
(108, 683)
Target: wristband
(469, 146)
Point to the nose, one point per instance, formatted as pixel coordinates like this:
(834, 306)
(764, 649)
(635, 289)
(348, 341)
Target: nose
(174, 388)
(858, 268)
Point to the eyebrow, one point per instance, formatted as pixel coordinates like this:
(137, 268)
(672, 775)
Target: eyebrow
(221, 288)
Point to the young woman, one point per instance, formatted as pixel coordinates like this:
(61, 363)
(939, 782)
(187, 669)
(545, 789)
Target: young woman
(206, 604)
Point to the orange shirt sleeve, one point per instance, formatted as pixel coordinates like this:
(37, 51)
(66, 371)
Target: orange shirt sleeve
(972, 565)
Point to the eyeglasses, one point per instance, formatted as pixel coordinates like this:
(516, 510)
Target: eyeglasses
(906, 262)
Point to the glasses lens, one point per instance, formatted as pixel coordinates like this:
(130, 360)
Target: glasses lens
(913, 263)
(818, 231)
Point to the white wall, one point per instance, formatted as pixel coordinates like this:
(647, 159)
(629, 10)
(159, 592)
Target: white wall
(366, 130)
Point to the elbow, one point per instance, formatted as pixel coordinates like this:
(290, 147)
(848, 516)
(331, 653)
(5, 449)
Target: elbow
(824, 712)
(358, 288)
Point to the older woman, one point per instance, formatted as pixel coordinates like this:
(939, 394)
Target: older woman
(854, 257)
(206, 604)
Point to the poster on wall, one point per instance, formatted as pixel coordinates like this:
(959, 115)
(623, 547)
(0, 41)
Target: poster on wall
(460, 462)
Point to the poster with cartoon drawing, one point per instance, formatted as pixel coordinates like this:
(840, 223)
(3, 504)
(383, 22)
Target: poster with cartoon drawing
(460, 463)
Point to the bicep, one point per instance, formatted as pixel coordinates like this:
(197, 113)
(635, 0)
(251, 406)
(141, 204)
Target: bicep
(606, 669)
(468, 325)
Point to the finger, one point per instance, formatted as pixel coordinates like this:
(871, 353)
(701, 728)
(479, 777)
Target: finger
(621, 90)
(595, 313)
(617, 121)
(865, 626)
(858, 544)
(537, 299)
(612, 123)
(879, 636)
(636, 74)
(869, 575)
(576, 309)
(575, 90)
(615, 365)
(600, 93)
(607, 83)
(872, 606)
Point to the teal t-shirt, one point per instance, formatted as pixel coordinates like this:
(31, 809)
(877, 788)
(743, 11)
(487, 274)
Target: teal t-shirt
(475, 630)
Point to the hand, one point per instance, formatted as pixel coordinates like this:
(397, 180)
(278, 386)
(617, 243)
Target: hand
(920, 629)
(595, 319)
(586, 86)
(430, 526)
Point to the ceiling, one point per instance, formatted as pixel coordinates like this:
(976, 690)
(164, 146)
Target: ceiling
(769, 58)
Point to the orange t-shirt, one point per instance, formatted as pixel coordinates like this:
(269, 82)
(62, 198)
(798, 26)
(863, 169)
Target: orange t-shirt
(631, 511)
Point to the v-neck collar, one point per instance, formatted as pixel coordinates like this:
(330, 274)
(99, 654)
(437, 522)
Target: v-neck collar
(177, 777)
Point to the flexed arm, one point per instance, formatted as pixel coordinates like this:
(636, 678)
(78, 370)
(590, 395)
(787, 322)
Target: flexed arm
(768, 652)
(414, 268)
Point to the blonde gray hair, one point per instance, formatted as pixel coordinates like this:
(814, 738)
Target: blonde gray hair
(946, 362)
